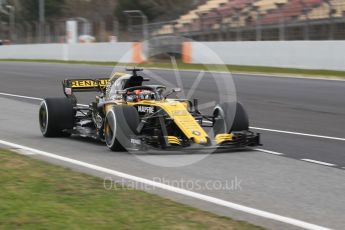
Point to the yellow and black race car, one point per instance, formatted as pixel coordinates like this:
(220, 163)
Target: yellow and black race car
(130, 115)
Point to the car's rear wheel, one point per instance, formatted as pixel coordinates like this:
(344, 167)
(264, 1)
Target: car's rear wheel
(230, 117)
(56, 115)
(121, 121)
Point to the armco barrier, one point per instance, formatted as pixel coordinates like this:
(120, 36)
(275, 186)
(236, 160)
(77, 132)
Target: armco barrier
(328, 55)
(125, 52)
(39, 51)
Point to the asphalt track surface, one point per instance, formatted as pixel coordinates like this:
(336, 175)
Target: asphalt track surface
(284, 184)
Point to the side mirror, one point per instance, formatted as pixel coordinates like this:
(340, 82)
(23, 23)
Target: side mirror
(173, 90)
(176, 90)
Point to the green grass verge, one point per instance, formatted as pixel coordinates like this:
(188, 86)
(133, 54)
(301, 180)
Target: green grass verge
(36, 195)
(231, 68)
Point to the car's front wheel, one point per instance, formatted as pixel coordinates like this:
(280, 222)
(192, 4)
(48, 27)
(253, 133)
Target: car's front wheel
(230, 117)
(121, 122)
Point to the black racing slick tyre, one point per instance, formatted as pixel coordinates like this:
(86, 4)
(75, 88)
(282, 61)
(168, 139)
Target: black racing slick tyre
(230, 117)
(55, 116)
(121, 122)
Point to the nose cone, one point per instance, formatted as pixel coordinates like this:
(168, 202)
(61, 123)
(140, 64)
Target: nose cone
(200, 140)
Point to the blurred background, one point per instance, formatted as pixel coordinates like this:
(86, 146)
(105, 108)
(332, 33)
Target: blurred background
(45, 21)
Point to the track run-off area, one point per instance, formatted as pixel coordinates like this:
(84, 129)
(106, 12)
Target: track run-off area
(296, 179)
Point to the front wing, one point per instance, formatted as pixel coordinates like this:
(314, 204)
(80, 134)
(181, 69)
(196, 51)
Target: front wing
(241, 140)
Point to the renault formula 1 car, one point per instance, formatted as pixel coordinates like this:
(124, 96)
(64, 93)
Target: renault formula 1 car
(129, 115)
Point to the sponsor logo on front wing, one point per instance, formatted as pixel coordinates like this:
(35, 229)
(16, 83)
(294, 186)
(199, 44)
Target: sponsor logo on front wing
(136, 141)
(145, 109)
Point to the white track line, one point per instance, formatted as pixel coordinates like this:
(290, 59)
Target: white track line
(26, 97)
(20, 96)
(269, 151)
(257, 128)
(307, 160)
(319, 162)
(301, 134)
(184, 192)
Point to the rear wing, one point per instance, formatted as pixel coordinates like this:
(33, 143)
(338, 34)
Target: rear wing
(84, 85)
(87, 85)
